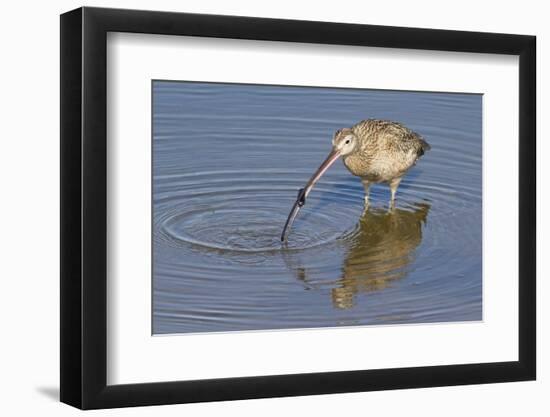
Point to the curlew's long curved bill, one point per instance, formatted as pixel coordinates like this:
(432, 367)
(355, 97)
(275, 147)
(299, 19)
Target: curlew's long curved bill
(304, 192)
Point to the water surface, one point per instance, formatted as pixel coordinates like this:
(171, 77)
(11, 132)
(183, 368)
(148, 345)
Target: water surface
(228, 160)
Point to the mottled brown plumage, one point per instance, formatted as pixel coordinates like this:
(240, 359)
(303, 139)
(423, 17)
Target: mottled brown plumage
(383, 152)
(386, 149)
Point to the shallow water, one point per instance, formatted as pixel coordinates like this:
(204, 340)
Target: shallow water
(228, 161)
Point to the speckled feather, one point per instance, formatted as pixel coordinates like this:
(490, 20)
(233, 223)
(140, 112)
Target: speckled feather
(386, 149)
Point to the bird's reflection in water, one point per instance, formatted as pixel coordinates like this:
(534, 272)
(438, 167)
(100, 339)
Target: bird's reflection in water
(379, 251)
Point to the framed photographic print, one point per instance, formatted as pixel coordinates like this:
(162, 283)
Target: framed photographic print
(258, 207)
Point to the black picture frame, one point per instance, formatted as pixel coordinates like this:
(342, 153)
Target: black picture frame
(84, 207)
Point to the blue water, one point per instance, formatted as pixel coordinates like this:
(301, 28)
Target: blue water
(228, 160)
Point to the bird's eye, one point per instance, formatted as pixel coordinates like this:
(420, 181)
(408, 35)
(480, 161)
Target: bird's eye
(347, 141)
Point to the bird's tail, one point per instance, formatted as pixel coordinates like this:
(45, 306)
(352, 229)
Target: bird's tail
(424, 147)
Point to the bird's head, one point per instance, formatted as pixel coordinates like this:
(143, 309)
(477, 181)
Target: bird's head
(344, 141)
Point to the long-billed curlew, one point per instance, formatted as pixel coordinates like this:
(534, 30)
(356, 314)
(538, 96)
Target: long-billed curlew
(377, 151)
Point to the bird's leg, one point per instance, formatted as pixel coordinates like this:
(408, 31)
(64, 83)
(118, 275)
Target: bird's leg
(366, 185)
(393, 187)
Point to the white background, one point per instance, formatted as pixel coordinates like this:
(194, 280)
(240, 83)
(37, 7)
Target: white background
(29, 211)
(134, 356)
